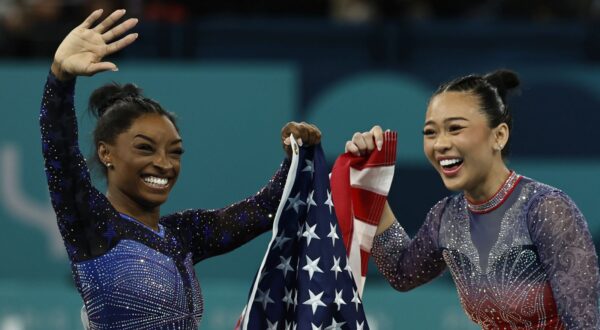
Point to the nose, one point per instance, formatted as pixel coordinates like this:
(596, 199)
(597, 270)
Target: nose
(162, 161)
(442, 143)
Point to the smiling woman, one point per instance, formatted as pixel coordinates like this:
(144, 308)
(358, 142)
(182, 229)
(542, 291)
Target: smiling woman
(139, 146)
(133, 267)
(519, 251)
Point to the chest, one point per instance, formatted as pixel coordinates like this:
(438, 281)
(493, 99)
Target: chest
(132, 281)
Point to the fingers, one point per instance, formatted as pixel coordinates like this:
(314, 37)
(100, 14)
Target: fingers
(91, 19)
(377, 133)
(120, 29)
(364, 143)
(291, 128)
(100, 67)
(109, 21)
(120, 44)
(313, 134)
(303, 132)
(369, 141)
(352, 148)
(358, 139)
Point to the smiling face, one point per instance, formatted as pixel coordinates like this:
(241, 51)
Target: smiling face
(460, 145)
(145, 162)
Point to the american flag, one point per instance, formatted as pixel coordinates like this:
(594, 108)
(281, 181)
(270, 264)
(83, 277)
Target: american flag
(360, 186)
(305, 280)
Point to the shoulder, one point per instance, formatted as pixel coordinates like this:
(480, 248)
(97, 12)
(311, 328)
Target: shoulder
(541, 194)
(179, 216)
(550, 207)
(536, 187)
(445, 205)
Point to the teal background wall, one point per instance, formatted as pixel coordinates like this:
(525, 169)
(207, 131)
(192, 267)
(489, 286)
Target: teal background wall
(230, 113)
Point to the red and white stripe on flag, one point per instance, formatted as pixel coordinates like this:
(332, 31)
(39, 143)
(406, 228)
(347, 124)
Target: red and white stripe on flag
(359, 188)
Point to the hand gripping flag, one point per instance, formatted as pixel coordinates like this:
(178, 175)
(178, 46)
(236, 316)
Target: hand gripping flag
(304, 281)
(360, 186)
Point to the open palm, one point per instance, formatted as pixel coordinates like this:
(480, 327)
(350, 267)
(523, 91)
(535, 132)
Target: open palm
(82, 52)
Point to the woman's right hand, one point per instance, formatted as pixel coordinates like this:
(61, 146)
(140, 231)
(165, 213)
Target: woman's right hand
(82, 50)
(363, 144)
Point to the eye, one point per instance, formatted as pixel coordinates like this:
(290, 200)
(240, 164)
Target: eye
(455, 128)
(178, 151)
(428, 132)
(144, 147)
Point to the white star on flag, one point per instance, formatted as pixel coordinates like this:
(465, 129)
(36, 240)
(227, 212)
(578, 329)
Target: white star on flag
(295, 299)
(336, 266)
(314, 301)
(310, 201)
(338, 299)
(312, 266)
(314, 327)
(280, 240)
(285, 265)
(309, 167)
(348, 268)
(272, 326)
(300, 230)
(287, 299)
(295, 202)
(309, 233)
(263, 298)
(333, 233)
(329, 201)
(335, 325)
(359, 326)
(355, 299)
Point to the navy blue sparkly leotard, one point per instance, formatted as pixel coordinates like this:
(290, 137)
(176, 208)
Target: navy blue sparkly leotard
(129, 276)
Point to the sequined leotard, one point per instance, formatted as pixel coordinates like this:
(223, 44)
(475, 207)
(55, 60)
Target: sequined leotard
(129, 276)
(527, 262)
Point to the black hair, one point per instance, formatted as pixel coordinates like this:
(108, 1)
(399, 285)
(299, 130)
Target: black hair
(492, 90)
(116, 107)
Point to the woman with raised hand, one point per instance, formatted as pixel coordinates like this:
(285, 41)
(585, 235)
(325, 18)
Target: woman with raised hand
(519, 251)
(132, 266)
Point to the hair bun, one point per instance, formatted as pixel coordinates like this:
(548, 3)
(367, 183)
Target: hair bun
(102, 98)
(503, 80)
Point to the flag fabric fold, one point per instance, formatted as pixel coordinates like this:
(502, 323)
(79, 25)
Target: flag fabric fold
(360, 186)
(304, 281)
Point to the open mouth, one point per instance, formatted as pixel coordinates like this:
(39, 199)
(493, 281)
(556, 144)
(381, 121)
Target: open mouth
(156, 182)
(451, 166)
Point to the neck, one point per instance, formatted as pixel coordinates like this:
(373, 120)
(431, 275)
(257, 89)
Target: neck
(149, 216)
(490, 185)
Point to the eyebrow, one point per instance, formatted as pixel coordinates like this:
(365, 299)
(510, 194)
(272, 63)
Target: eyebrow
(151, 140)
(447, 120)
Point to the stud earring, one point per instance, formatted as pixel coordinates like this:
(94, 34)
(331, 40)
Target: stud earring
(108, 165)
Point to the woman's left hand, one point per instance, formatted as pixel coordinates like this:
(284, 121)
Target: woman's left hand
(83, 50)
(305, 134)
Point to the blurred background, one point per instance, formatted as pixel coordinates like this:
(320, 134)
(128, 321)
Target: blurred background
(236, 71)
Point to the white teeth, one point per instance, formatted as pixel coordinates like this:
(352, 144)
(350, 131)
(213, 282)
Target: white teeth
(448, 162)
(156, 181)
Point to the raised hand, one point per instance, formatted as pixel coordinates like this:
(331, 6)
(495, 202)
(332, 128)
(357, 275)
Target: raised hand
(364, 143)
(305, 134)
(83, 49)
